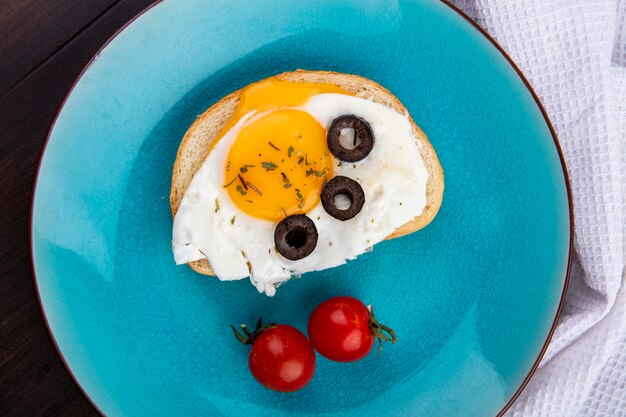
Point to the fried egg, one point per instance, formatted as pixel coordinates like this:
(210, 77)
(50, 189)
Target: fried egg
(271, 160)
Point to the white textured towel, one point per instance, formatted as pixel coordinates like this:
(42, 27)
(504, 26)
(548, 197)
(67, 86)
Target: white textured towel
(573, 52)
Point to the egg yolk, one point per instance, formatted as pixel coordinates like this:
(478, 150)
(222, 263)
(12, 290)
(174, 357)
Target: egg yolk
(279, 161)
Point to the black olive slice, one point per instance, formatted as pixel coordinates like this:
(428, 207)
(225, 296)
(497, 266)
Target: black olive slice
(295, 237)
(363, 132)
(347, 187)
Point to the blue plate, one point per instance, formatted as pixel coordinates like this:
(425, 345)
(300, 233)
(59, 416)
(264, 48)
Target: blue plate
(473, 297)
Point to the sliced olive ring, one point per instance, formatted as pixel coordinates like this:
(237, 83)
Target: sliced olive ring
(295, 237)
(341, 185)
(362, 131)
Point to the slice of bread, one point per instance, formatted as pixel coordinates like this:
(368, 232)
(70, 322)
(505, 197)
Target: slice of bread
(195, 145)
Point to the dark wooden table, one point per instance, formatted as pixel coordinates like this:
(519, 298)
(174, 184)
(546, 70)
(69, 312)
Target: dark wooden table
(44, 45)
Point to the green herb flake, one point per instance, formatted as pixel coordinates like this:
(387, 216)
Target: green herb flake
(228, 166)
(285, 180)
(274, 146)
(315, 172)
(228, 185)
(217, 205)
(232, 220)
(240, 190)
(284, 212)
(243, 183)
(253, 188)
(298, 193)
(289, 151)
(245, 167)
(269, 166)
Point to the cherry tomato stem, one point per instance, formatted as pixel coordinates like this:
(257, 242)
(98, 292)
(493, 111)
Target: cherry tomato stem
(379, 331)
(248, 337)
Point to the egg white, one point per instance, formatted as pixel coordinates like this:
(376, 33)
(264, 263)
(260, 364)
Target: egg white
(237, 245)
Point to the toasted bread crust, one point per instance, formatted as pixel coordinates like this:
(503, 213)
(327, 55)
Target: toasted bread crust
(197, 141)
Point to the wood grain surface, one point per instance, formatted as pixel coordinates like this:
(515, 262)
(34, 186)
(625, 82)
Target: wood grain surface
(44, 45)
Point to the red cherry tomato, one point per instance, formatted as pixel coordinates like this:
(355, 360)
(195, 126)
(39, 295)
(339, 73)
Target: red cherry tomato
(343, 329)
(281, 358)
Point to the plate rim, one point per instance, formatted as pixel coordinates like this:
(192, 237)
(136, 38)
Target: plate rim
(454, 9)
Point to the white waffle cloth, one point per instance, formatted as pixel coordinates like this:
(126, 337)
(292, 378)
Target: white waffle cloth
(573, 52)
